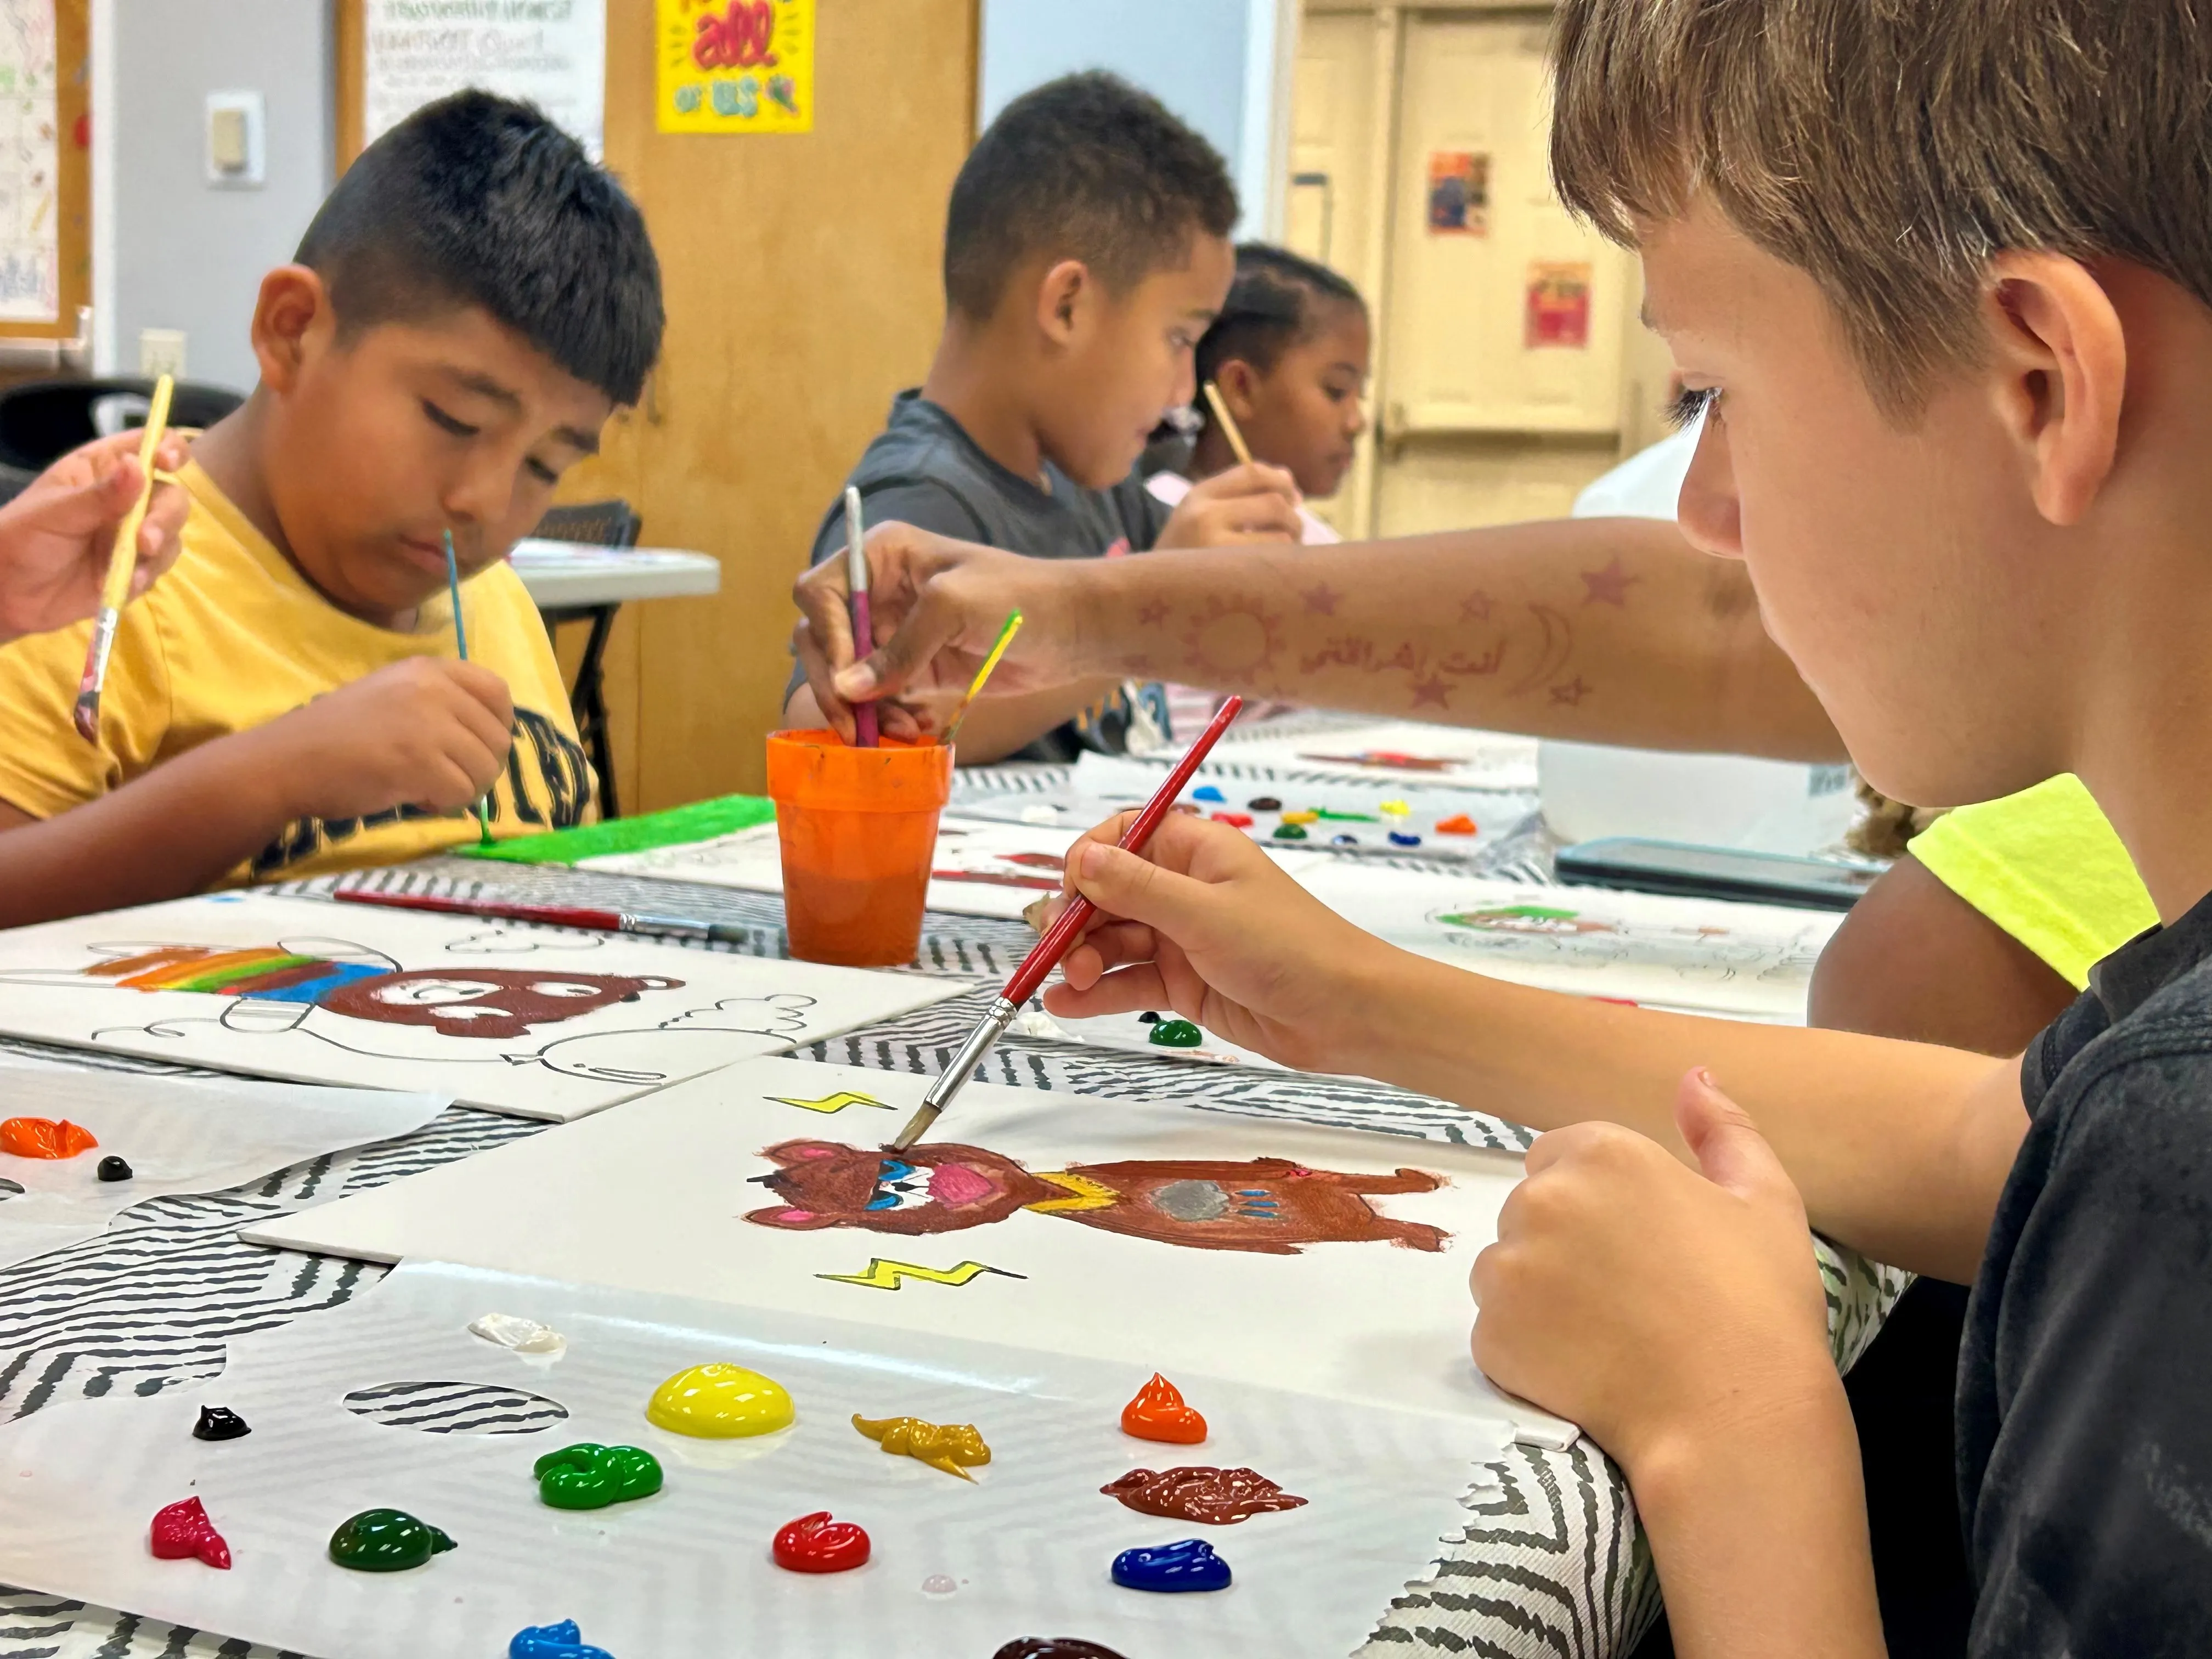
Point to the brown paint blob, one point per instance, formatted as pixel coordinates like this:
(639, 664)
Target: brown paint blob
(1218, 1497)
(1053, 1647)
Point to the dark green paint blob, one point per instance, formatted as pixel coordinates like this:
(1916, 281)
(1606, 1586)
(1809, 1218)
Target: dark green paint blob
(386, 1541)
(1290, 832)
(1177, 1034)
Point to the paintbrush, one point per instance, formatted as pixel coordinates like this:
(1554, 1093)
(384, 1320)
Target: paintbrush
(864, 635)
(121, 560)
(552, 915)
(1007, 633)
(1059, 939)
(1215, 402)
(461, 644)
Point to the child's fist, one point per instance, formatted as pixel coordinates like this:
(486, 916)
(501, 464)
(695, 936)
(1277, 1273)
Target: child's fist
(428, 732)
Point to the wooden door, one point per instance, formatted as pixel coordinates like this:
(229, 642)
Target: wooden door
(801, 278)
(801, 274)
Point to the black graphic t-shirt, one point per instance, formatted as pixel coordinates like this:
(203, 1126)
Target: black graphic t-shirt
(2085, 1381)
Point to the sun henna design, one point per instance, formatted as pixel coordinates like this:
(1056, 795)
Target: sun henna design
(1153, 612)
(1234, 636)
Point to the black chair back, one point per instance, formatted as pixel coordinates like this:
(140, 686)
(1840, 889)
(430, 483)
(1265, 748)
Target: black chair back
(41, 421)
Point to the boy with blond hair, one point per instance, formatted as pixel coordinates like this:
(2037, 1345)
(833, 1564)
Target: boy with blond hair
(1941, 276)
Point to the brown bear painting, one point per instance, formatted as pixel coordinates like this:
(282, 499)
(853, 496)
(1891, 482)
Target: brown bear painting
(1268, 1205)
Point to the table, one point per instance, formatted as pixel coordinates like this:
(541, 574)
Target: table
(1549, 1565)
(576, 581)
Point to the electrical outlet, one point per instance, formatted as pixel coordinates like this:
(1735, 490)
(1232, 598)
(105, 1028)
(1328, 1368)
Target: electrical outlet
(162, 351)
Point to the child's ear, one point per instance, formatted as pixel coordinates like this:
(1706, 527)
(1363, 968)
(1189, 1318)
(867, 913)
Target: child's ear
(1240, 387)
(292, 303)
(2060, 359)
(1061, 298)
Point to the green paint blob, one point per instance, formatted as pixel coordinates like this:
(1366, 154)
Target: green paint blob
(386, 1541)
(1290, 832)
(1177, 1034)
(1328, 816)
(589, 1477)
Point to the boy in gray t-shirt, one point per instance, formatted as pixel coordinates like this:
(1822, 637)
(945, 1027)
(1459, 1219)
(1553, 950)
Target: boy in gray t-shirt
(1086, 248)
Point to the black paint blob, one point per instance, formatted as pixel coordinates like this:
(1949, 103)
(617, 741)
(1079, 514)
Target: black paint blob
(113, 1169)
(1263, 804)
(219, 1423)
(1148, 1017)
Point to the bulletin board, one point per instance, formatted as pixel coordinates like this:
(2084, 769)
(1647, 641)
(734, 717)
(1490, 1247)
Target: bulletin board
(45, 172)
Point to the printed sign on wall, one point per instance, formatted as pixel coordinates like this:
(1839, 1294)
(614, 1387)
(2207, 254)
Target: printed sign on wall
(735, 65)
(551, 52)
(1558, 305)
(1459, 193)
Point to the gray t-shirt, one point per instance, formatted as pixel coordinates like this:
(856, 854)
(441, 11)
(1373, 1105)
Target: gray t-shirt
(2085, 1380)
(924, 470)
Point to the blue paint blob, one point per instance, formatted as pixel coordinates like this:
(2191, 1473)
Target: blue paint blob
(1190, 1565)
(1207, 791)
(1344, 840)
(561, 1641)
(1399, 838)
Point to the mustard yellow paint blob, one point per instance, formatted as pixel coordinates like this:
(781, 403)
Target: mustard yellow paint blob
(720, 1402)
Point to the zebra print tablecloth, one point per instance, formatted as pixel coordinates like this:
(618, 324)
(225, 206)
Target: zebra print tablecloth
(1549, 1563)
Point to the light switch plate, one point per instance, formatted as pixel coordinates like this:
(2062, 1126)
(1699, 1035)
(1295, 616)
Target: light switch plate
(236, 145)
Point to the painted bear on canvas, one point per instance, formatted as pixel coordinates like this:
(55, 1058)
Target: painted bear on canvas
(1269, 1205)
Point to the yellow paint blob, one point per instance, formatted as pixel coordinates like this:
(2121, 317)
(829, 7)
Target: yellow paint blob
(1301, 816)
(720, 1402)
(941, 1445)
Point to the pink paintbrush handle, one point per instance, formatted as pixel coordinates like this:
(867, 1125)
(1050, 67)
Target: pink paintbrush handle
(864, 641)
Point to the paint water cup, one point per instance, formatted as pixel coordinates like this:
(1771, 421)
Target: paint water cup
(858, 832)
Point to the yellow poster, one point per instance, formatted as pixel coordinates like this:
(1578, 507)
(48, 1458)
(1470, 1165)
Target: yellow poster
(735, 65)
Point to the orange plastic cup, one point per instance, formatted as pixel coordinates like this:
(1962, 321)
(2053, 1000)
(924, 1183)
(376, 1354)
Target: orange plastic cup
(858, 832)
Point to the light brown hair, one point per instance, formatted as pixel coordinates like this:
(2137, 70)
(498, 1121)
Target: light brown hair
(1890, 147)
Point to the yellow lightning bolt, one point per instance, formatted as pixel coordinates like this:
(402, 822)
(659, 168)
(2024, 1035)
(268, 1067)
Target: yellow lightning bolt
(836, 1103)
(882, 1275)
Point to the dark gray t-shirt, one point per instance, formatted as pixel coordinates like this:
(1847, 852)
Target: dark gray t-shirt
(2084, 1381)
(925, 470)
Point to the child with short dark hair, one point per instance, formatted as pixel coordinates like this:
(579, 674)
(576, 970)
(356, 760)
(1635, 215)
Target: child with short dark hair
(1087, 251)
(468, 307)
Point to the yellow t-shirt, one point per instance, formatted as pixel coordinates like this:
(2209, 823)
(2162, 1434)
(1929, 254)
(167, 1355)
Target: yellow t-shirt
(234, 637)
(2045, 867)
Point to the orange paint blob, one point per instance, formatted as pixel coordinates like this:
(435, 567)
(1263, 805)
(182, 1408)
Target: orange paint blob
(1460, 825)
(1158, 1413)
(42, 1137)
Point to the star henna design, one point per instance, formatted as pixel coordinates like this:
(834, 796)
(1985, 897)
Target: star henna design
(1571, 693)
(1153, 612)
(1323, 599)
(1432, 689)
(1475, 607)
(1609, 586)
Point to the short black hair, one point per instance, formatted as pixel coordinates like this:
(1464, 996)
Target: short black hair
(1084, 168)
(1274, 302)
(480, 200)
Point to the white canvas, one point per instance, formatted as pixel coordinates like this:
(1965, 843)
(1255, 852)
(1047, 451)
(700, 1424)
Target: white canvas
(980, 868)
(536, 1022)
(178, 1135)
(657, 1196)
(1024, 1549)
(1750, 961)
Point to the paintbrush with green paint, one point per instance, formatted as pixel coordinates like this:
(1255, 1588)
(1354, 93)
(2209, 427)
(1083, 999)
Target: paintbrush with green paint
(461, 643)
(1007, 633)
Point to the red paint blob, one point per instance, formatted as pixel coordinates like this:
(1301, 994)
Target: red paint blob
(183, 1530)
(1233, 820)
(1460, 825)
(1158, 1413)
(815, 1543)
(42, 1137)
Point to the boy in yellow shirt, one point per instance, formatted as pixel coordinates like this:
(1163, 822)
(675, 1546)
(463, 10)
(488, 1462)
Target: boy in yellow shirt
(468, 307)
